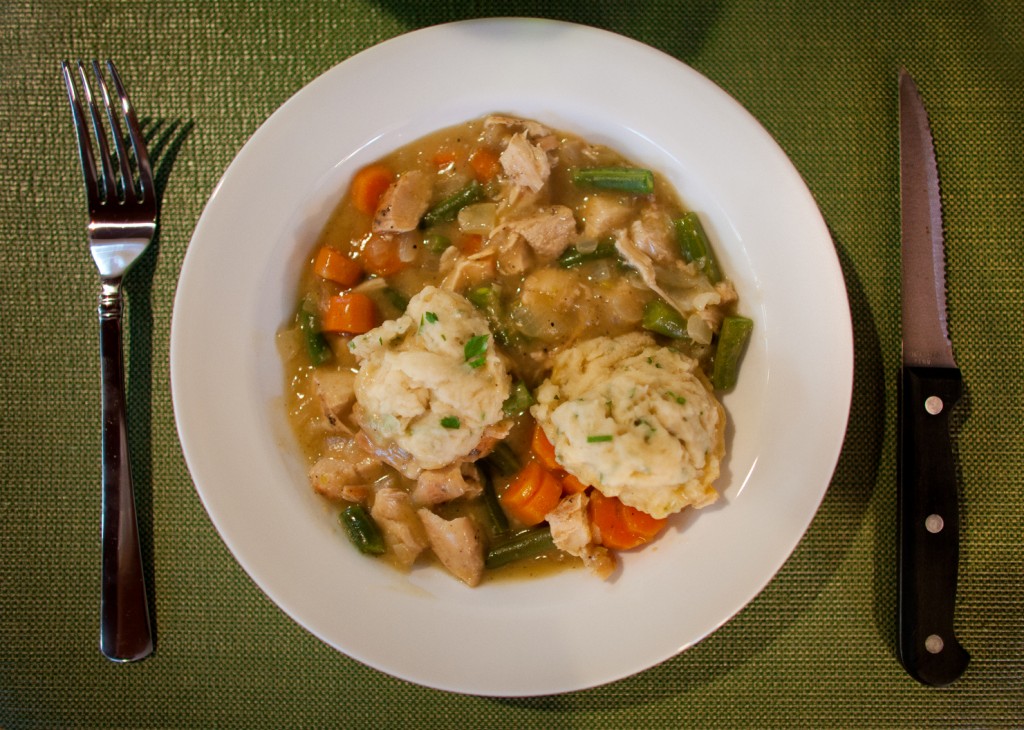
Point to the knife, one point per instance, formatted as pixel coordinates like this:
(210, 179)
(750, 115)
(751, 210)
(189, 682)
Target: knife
(930, 385)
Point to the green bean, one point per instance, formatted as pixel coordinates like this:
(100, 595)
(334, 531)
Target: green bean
(626, 179)
(662, 318)
(573, 257)
(362, 530)
(317, 348)
(484, 298)
(528, 544)
(436, 242)
(518, 400)
(488, 300)
(503, 460)
(449, 208)
(396, 299)
(695, 247)
(497, 522)
(732, 340)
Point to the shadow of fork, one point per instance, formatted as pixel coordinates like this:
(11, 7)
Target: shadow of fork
(164, 140)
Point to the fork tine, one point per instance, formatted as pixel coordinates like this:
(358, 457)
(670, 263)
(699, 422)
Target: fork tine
(85, 152)
(128, 183)
(134, 134)
(108, 179)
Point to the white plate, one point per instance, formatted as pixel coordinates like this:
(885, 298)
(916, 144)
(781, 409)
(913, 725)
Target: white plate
(566, 631)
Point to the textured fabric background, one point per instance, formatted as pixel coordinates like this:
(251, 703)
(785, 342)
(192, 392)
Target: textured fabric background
(815, 649)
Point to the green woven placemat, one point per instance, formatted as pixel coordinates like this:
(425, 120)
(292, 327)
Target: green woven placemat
(815, 649)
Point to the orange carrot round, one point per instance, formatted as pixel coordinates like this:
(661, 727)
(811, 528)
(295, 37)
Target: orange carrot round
(543, 449)
(620, 526)
(532, 494)
(485, 163)
(369, 185)
(350, 313)
(332, 264)
(469, 243)
(572, 485)
(380, 255)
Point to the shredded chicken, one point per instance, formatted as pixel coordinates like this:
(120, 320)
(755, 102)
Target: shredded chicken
(549, 230)
(467, 271)
(653, 235)
(337, 479)
(335, 391)
(526, 164)
(570, 530)
(443, 485)
(457, 544)
(403, 532)
(403, 203)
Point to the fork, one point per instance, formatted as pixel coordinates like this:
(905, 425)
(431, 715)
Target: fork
(122, 222)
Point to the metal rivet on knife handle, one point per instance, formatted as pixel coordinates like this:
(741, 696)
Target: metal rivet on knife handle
(934, 405)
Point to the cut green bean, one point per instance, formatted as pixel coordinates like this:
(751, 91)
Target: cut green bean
(449, 208)
(573, 257)
(518, 400)
(362, 530)
(436, 242)
(634, 180)
(695, 247)
(488, 300)
(503, 460)
(662, 318)
(497, 522)
(396, 299)
(523, 546)
(732, 340)
(317, 348)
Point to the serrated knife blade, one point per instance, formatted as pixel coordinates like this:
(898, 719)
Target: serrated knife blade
(930, 385)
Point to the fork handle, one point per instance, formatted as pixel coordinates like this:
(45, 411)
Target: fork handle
(125, 633)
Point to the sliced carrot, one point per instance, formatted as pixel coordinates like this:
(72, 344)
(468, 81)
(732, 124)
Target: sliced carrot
(543, 449)
(642, 524)
(572, 485)
(369, 185)
(619, 526)
(532, 494)
(444, 157)
(332, 264)
(469, 243)
(352, 313)
(380, 255)
(485, 163)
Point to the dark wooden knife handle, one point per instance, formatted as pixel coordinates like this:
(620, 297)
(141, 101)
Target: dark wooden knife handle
(928, 527)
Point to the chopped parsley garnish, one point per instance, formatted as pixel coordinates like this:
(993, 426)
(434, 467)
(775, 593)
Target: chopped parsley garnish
(677, 398)
(430, 317)
(601, 438)
(476, 351)
(450, 422)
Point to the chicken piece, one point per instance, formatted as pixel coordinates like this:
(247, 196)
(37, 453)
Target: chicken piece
(470, 271)
(391, 454)
(403, 532)
(549, 230)
(526, 164)
(514, 255)
(653, 234)
(533, 129)
(443, 485)
(338, 479)
(457, 544)
(570, 530)
(403, 203)
(336, 393)
(603, 214)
